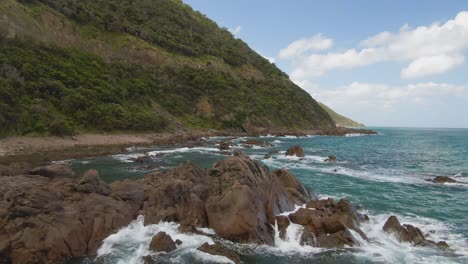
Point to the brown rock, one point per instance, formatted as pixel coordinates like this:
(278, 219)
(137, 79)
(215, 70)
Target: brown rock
(143, 159)
(148, 260)
(331, 159)
(54, 171)
(90, 182)
(283, 223)
(224, 146)
(220, 250)
(178, 242)
(442, 179)
(295, 151)
(162, 242)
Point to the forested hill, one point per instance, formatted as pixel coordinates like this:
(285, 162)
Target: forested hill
(340, 120)
(136, 65)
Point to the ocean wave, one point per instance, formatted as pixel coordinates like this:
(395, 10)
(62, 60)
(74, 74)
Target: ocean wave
(131, 243)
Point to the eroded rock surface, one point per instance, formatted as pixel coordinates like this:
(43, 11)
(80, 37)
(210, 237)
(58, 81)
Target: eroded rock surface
(162, 242)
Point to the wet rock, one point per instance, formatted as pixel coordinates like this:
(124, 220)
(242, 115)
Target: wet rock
(283, 223)
(142, 159)
(442, 179)
(409, 233)
(148, 260)
(442, 244)
(162, 242)
(54, 171)
(178, 242)
(187, 229)
(295, 151)
(224, 146)
(327, 223)
(255, 142)
(220, 250)
(331, 159)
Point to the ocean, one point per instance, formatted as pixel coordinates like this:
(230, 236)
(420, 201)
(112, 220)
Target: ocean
(382, 175)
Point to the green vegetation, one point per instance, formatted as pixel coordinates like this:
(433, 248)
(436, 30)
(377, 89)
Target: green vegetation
(208, 78)
(339, 119)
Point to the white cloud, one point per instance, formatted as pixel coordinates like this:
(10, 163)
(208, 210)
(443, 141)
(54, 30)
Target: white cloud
(270, 59)
(302, 46)
(441, 45)
(235, 31)
(431, 65)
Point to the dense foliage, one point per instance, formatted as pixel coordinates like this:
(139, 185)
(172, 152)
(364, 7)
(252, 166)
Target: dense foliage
(167, 23)
(54, 89)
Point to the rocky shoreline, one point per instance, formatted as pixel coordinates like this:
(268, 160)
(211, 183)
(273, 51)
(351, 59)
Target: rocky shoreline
(42, 150)
(50, 214)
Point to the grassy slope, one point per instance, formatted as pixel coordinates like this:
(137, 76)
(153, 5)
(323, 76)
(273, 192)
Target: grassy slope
(341, 120)
(59, 73)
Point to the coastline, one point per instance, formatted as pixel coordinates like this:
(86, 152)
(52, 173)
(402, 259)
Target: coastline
(42, 150)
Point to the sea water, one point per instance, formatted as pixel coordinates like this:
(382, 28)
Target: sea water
(382, 175)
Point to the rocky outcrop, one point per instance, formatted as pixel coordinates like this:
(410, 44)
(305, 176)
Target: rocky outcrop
(343, 131)
(295, 151)
(442, 179)
(220, 250)
(54, 171)
(162, 242)
(328, 223)
(409, 233)
(331, 159)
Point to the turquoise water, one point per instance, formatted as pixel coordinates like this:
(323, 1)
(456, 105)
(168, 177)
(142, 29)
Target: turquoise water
(383, 174)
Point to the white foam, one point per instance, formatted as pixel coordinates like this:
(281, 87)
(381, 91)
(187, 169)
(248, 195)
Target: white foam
(184, 150)
(127, 157)
(131, 243)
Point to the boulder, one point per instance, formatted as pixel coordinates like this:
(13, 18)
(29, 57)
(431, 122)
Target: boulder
(162, 242)
(90, 182)
(54, 171)
(442, 179)
(409, 233)
(224, 145)
(142, 159)
(331, 159)
(295, 151)
(220, 250)
(328, 223)
(256, 142)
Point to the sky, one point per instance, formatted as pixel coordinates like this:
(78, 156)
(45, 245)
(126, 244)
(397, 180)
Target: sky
(382, 63)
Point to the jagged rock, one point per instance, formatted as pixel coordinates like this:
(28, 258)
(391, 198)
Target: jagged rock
(283, 223)
(442, 179)
(54, 171)
(248, 201)
(409, 233)
(327, 223)
(295, 151)
(220, 250)
(224, 146)
(142, 159)
(162, 242)
(90, 182)
(331, 159)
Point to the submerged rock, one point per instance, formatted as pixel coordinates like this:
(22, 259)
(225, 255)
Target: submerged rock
(142, 159)
(442, 179)
(295, 151)
(162, 242)
(220, 250)
(331, 159)
(224, 146)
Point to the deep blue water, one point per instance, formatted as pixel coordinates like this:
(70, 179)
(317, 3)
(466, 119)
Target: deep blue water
(383, 174)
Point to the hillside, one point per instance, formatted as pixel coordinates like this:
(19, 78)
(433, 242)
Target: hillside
(94, 65)
(340, 120)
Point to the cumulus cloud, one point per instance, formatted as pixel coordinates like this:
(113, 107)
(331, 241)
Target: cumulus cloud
(235, 31)
(428, 50)
(302, 46)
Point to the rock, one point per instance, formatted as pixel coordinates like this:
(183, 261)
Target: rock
(224, 145)
(327, 223)
(331, 159)
(343, 131)
(162, 242)
(220, 250)
(187, 229)
(54, 171)
(142, 159)
(409, 233)
(90, 182)
(255, 142)
(249, 197)
(442, 245)
(15, 168)
(442, 179)
(282, 223)
(295, 151)
(148, 260)
(178, 242)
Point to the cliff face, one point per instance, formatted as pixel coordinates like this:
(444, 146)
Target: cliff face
(340, 120)
(136, 66)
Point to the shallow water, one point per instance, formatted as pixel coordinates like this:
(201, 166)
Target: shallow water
(382, 174)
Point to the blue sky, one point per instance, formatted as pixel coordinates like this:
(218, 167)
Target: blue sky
(384, 63)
